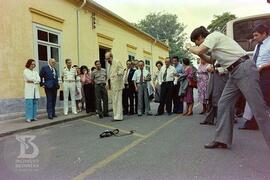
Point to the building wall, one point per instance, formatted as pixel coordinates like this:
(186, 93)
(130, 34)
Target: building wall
(17, 42)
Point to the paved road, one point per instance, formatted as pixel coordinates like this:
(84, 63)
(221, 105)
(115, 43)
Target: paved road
(164, 147)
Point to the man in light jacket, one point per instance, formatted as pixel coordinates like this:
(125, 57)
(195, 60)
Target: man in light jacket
(116, 84)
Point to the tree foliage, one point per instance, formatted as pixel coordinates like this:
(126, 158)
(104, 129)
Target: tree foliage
(165, 26)
(219, 22)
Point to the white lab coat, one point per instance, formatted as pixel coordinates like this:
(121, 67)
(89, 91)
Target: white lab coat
(31, 90)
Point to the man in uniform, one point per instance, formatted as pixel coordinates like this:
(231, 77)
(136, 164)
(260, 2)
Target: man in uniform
(68, 79)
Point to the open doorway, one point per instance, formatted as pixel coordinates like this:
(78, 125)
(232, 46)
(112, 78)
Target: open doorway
(102, 52)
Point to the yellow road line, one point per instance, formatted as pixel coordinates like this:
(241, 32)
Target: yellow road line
(120, 152)
(111, 127)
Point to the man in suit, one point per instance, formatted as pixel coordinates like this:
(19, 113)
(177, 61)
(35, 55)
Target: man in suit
(49, 81)
(129, 90)
(141, 77)
(116, 83)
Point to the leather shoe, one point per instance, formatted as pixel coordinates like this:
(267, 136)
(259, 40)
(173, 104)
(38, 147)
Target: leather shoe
(204, 123)
(247, 127)
(50, 117)
(100, 116)
(215, 144)
(54, 116)
(116, 120)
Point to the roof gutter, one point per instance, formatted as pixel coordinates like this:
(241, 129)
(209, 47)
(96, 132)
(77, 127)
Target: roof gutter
(78, 30)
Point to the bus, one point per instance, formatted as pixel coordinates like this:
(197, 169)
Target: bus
(240, 30)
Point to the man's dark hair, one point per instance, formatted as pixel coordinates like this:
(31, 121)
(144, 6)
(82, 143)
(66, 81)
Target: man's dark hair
(176, 57)
(159, 62)
(141, 61)
(97, 62)
(261, 28)
(200, 31)
(93, 68)
(84, 67)
(29, 62)
(186, 61)
(68, 60)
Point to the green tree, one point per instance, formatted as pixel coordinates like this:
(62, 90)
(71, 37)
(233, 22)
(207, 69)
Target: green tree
(219, 22)
(165, 27)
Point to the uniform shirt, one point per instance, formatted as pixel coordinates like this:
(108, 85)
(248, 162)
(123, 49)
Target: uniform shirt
(171, 71)
(99, 76)
(69, 74)
(224, 49)
(264, 53)
(137, 75)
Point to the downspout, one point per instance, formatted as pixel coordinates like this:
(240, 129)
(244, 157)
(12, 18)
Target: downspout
(78, 30)
(152, 54)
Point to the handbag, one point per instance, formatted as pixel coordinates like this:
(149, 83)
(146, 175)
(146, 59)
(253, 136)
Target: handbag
(192, 83)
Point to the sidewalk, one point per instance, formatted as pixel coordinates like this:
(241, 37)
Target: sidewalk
(12, 126)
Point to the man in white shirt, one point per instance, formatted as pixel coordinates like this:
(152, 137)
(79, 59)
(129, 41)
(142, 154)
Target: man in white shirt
(140, 78)
(68, 79)
(244, 77)
(166, 78)
(261, 57)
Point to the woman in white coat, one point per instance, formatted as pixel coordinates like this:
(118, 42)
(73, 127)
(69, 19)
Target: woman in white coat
(31, 90)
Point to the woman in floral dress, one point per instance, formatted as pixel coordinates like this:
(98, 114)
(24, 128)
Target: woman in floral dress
(202, 83)
(188, 98)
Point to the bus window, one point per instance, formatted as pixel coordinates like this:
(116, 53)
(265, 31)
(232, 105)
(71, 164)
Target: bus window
(242, 31)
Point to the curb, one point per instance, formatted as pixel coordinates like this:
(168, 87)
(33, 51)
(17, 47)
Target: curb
(43, 125)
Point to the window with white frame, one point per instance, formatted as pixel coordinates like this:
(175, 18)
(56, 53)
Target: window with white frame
(131, 56)
(47, 44)
(147, 63)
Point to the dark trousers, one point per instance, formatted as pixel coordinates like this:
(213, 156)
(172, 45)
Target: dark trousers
(128, 100)
(166, 97)
(212, 115)
(90, 97)
(51, 94)
(101, 95)
(265, 85)
(136, 102)
(177, 102)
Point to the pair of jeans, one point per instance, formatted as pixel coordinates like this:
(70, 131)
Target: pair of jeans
(31, 106)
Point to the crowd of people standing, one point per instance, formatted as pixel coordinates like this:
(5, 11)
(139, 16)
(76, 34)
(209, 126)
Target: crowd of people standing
(132, 87)
(220, 79)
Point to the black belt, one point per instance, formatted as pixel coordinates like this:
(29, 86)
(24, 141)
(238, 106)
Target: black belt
(167, 82)
(236, 63)
(101, 84)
